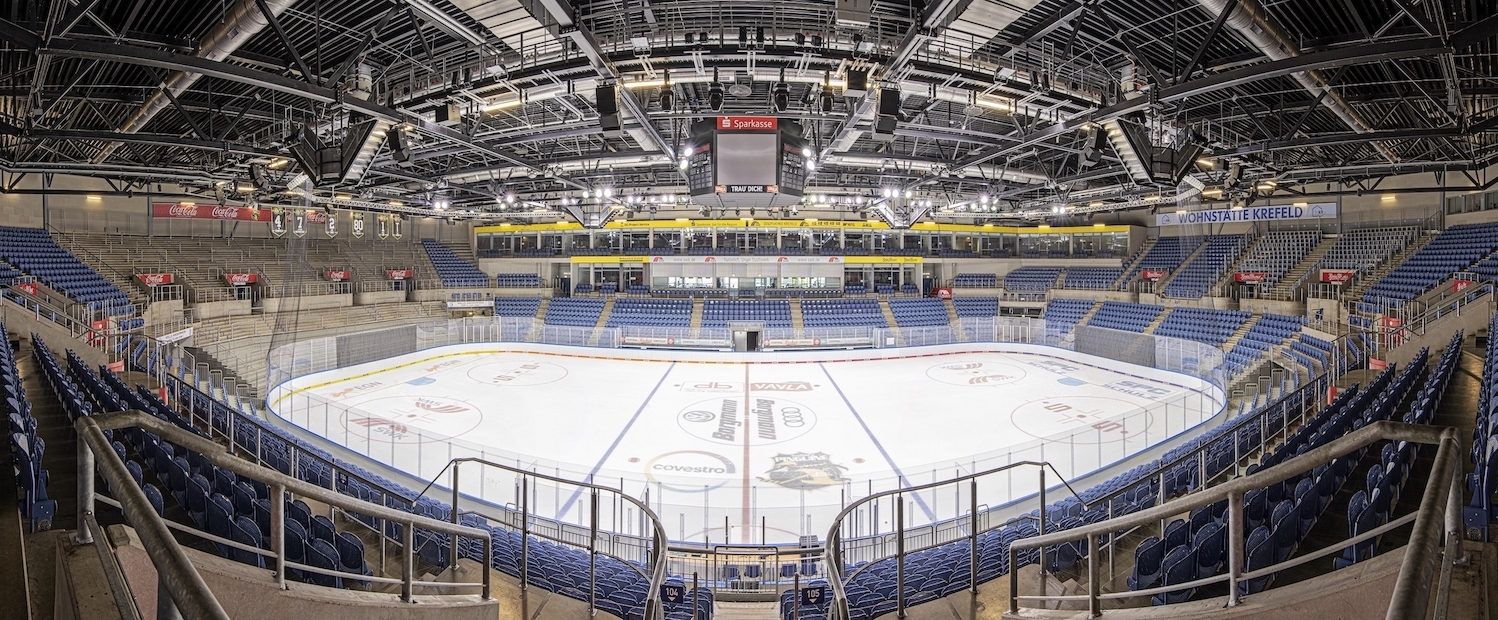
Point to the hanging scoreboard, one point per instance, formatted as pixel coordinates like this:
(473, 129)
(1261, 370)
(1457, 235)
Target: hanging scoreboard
(746, 162)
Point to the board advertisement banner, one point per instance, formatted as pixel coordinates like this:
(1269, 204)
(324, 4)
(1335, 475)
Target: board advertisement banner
(1337, 276)
(241, 279)
(1152, 275)
(1313, 211)
(400, 274)
(748, 123)
(1250, 277)
(154, 279)
(339, 275)
(185, 211)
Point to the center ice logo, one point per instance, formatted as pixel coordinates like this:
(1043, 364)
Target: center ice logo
(1081, 419)
(805, 471)
(975, 373)
(408, 420)
(517, 373)
(767, 421)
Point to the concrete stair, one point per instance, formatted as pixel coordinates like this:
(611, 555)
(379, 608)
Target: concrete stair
(951, 310)
(1087, 317)
(1355, 289)
(1155, 324)
(1129, 268)
(796, 321)
(697, 306)
(1227, 276)
(603, 317)
(1161, 284)
(54, 428)
(889, 315)
(1292, 278)
(1238, 335)
(535, 333)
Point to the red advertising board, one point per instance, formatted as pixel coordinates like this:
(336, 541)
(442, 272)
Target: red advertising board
(154, 279)
(97, 333)
(1336, 276)
(1390, 321)
(943, 293)
(1331, 394)
(241, 279)
(208, 212)
(1250, 277)
(400, 274)
(1376, 364)
(1461, 284)
(29, 287)
(1152, 275)
(748, 123)
(117, 366)
(339, 275)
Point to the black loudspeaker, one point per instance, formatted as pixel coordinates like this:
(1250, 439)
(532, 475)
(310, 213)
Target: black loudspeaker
(329, 164)
(608, 111)
(398, 151)
(858, 83)
(889, 115)
(889, 102)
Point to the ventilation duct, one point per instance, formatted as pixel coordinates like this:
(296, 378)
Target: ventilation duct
(1251, 21)
(240, 24)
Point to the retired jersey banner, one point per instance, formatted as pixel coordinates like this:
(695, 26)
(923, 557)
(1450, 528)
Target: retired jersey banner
(241, 279)
(356, 225)
(208, 212)
(332, 229)
(154, 279)
(278, 223)
(299, 223)
(1249, 277)
(1336, 276)
(382, 227)
(395, 226)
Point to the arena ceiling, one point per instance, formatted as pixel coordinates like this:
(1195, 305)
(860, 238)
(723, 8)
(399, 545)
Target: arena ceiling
(1009, 108)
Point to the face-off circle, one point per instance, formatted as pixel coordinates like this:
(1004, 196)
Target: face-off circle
(1081, 419)
(411, 419)
(975, 373)
(520, 373)
(770, 420)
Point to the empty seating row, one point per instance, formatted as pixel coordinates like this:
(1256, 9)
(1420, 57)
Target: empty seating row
(975, 280)
(1093, 278)
(1032, 278)
(1277, 252)
(574, 311)
(517, 280)
(1063, 314)
(453, 271)
(842, 313)
(919, 311)
(644, 312)
(517, 306)
(26, 448)
(1197, 277)
(34, 252)
(1213, 327)
(720, 312)
(1166, 255)
(1125, 316)
(1455, 249)
(976, 307)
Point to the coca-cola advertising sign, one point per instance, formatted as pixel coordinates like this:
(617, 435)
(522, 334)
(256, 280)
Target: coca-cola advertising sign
(339, 275)
(241, 279)
(1249, 277)
(400, 274)
(187, 211)
(1336, 276)
(154, 279)
(29, 287)
(1152, 275)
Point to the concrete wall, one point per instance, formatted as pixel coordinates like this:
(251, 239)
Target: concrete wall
(306, 302)
(1067, 293)
(1471, 318)
(216, 309)
(379, 297)
(248, 592)
(1270, 306)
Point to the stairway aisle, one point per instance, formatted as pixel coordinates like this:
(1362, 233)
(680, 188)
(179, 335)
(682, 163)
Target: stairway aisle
(54, 428)
(796, 321)
(1292, 278)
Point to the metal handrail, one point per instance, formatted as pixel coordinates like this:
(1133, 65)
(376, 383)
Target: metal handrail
(834, 539)
(1411, 590)
(657, 559)
(182, 581)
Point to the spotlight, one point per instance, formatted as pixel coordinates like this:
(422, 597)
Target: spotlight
(715, 93)
(800, 39)
(780, 97)
(826, 100)
(668, 98)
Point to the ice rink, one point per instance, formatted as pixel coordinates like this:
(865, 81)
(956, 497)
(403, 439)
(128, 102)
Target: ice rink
(732, 449)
